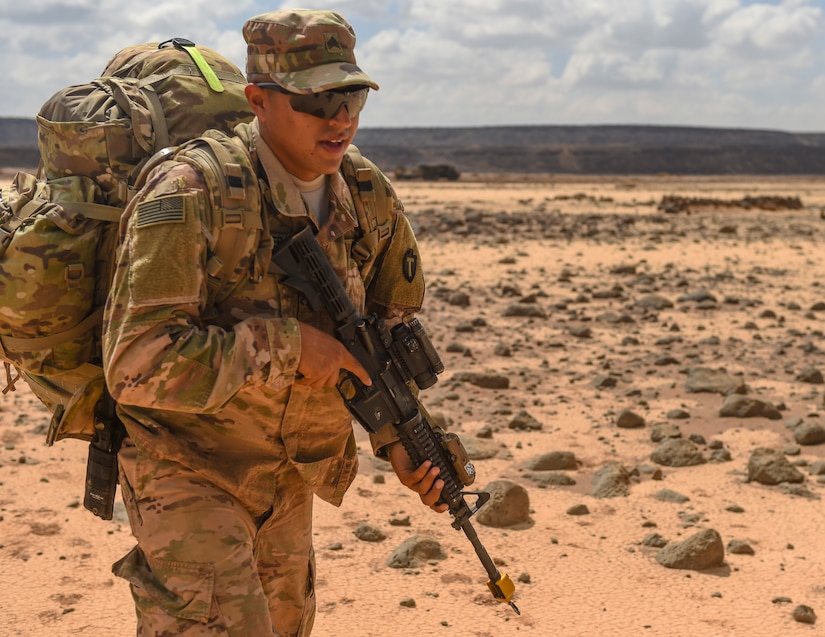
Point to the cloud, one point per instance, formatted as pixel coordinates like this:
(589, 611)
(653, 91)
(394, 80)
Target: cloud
(483, 62)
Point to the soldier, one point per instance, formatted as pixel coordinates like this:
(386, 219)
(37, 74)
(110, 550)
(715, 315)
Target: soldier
(232, 414)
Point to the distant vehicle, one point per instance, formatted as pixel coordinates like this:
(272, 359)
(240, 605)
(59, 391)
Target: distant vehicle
(429, 172)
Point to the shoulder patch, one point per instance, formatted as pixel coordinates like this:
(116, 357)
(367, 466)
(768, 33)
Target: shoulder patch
(162, 210)
(410, 265)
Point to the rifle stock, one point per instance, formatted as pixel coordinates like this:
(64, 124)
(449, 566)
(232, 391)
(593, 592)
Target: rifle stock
(392, 358)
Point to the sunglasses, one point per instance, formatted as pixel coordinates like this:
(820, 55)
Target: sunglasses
(324, 104)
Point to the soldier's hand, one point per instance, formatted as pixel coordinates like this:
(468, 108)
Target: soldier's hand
(322, 359)
(423, 479)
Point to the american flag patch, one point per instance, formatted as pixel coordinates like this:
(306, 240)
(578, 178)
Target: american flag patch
(163, 210)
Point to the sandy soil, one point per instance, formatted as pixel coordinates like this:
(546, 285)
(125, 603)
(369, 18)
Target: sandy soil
(585, 251)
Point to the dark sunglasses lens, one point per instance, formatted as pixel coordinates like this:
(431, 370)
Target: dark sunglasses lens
(327, 103)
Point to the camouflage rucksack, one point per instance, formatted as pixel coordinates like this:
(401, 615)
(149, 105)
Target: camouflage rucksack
(58, 234)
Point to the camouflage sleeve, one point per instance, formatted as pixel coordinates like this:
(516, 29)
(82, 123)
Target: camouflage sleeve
(396, 288)
(396, 291)
(157, 350)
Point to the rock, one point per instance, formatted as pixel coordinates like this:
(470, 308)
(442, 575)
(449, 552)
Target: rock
(817, 468)
(414, 552)
(578, 509)
(509, 504)
(738, 406)
(550, 478)
(553, 461)
(740, 547)
(523, 421)
(810, 375)
(407, 602)
(677, 414)
(611, 481)
(461, 299)
(699, 552)
(655, 540)
(654, 302)
(718, 381)
(485, 380)
(479, 448)
(580, 331)
(668, 495)
(677, 452)
(768, 466)
(665, 430)
(604, 381)
(627, 419)
(809, 433)
(533, 310)
(367, 533)
(804, 614)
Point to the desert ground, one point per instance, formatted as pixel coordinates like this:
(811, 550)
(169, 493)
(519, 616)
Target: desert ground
(576, 320)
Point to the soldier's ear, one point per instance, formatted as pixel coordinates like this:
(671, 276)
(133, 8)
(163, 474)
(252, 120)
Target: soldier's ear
(256, 96)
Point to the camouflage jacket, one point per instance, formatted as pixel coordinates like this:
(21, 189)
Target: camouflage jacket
(212, 387)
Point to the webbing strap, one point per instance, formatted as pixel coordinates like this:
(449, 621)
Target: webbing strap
(38, 343)
(191, 70)
(98, 211)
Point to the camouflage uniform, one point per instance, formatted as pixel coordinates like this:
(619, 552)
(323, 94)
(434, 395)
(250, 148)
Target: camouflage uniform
(225, 450)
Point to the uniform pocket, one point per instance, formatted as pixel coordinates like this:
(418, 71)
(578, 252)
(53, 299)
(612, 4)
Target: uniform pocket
(181, 589)
(319, 442)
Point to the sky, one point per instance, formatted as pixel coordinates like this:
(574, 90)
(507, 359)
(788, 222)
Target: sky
(447, 63)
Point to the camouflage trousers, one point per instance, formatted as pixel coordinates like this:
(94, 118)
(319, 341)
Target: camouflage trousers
(204, 566)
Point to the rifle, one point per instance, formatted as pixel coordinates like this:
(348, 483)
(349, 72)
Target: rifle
(392, 358)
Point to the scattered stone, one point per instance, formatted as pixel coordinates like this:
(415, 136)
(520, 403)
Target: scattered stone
(480, 449)
(740, 547)
(817, 468)
(503, 350)
(396, 521)
(550, 478)
(664, 430)
(677, 452)
(611, 481)
(367, 533)
(523, 421)
(771, 467)
(739, 406)
(654, 540)
(699, 552)
(677, 414)
(720, 455)
(804, 614)
(509, 504)
(810, 375)
(461, 299)
(668, 495)
(734, 508)
(407, 602)
(553, 461)
(531, 310)
(809, 433)
(578, 509)
(414, 552)
(604, 381)
(654, 302)
(718, 381)
(627, 419)
(485, 380)
(580, 331)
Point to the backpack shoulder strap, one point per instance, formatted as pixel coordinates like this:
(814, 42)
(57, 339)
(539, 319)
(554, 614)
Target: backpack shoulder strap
(236, 228)
(373, 207)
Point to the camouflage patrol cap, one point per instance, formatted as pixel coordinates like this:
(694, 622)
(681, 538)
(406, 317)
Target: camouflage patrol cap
(303, 51)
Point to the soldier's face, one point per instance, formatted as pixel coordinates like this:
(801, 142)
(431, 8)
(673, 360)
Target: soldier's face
(307, 146)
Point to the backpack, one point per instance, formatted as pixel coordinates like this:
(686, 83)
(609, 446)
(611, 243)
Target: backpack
(58, 234)
(58, 229)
